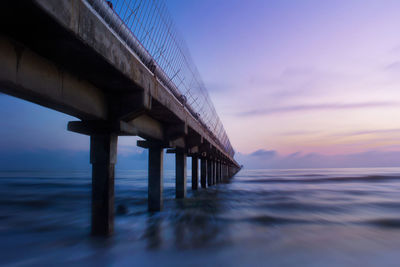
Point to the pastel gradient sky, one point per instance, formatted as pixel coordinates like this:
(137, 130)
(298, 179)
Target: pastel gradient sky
(309, 76)
(288, 78)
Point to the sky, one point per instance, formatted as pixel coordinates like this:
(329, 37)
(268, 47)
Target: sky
(295, 83)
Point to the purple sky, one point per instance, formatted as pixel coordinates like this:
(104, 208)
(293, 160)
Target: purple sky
(310, 78)
(300, 76)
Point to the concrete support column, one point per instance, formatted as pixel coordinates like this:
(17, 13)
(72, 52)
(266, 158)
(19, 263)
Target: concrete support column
(155, 187)
(195, 172)
(214, 172)
(180, 174)
(203, 173)
(103, 156)
(218, 172)
(209, 172)
(221, 172)
(225, 170)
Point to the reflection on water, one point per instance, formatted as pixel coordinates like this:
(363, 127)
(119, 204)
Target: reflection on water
(326, 217)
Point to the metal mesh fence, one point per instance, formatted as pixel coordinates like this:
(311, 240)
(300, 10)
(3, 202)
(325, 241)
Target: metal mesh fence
(148, 29)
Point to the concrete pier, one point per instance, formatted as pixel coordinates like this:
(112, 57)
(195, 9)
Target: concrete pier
(203, 172)
(195, 172)
(103, 156)
(180, 174)
(51, 53)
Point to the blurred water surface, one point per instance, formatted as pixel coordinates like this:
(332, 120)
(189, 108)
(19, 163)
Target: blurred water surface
(315, 217)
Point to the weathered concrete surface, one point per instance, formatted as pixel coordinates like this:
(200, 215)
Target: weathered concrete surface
(155, 185)
(203, 172)
(180, 174)
(195, 172)
(209, 172)
(215, 172)
(218, 172)
(25, 74)
(103, 156)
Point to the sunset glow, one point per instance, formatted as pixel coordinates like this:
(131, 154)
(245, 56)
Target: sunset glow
(309, 76)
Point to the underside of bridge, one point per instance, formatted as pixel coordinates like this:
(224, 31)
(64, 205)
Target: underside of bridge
(61, 55)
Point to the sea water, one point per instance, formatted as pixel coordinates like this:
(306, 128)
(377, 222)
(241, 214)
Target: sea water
(309, 217)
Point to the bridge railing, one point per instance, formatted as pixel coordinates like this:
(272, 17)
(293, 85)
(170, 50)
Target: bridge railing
(148, 29)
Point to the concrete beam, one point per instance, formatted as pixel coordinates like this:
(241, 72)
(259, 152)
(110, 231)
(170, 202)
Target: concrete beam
(194, 150)
(176, 131)
(178, 143)
(130, 105)
(194, 140)
(148, 127)
(29, 76)
(97, 127)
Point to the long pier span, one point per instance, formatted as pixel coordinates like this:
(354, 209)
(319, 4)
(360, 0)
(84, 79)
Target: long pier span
(121, 69)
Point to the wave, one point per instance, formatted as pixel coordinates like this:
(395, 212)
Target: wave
(385, 222)
(369, 178)
(273, 220)
(297, 206)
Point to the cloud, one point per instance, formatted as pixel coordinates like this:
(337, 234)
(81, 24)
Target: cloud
(395, 49)
(296, 133)
(317, 107)
(264, 153)
(393, 66)
(365, 132)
